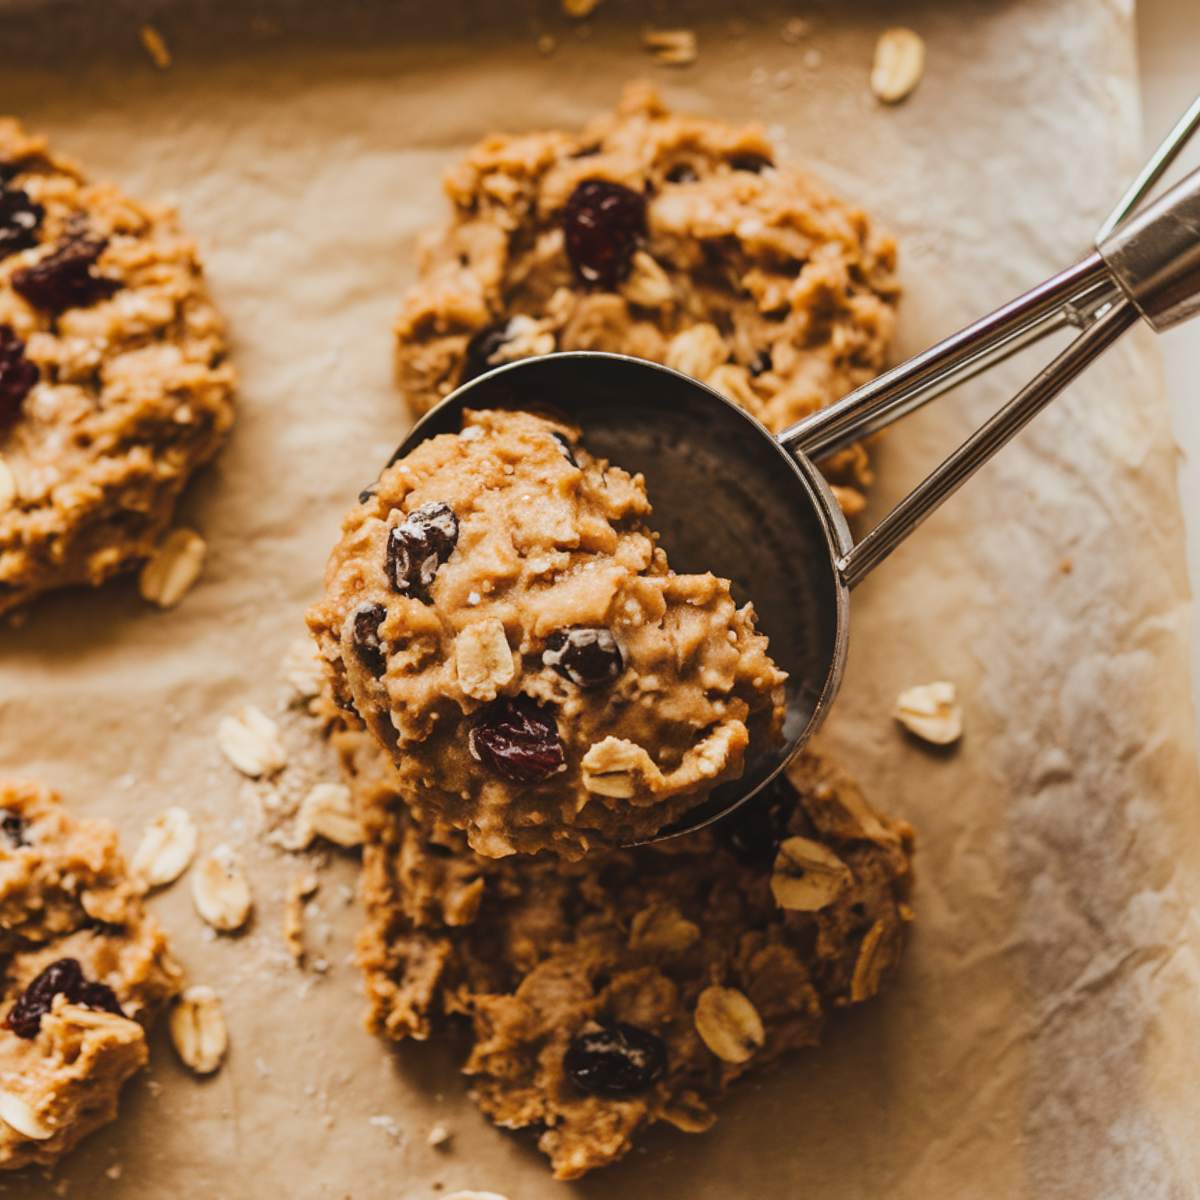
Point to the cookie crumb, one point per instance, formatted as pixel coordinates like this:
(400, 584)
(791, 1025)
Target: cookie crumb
(439, 1136)
(546, 44)
(301, 888)
(795, 30)
(578, 9)
(155, 46)
(899, 64)
(931, 711)
(1066, 566)
(671, 47)
(114, 1172)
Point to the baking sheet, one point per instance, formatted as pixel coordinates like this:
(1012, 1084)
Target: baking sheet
(1041, 1040)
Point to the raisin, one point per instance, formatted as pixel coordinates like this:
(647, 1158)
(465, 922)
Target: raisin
(755, 163)
(482, 347)
(761, 363)
(17, 375)
(366, 494)
(587, 657)
(568, 451)
(20, 220)
(366, 637)
(64, 977)
(615, 1060)
(517, 738)
(752, 833)
(602, 222)
(588, 151)
(418, 546)
(64, 279)
(682, 173)
(14, 826)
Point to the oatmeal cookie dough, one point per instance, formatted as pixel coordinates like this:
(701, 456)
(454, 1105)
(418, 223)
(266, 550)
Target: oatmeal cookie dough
(113, 381)
(636, 985)
(503, 620)
(83, 971)
(663, 236)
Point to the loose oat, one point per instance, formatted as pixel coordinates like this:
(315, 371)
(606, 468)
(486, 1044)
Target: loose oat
(301, 888)
(197, 1028)
(672, 47)
(328, 811)
(220, 891)
(647, 284)
(166, 848)
(807, 875)
(16, 1112)
(174, 566)
(932, 712)
(303, 669)
(250, 740)
(483, 659)
(728, 1024)
(899, 64)
(876, 957)
(662, 928)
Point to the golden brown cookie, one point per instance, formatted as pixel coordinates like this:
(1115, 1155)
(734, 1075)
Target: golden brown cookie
(635, 985)
(663, 236)
(503, 619)
(113, 381)
(84, 971)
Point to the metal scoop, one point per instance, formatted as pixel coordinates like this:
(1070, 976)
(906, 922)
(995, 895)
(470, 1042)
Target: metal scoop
(731, 498)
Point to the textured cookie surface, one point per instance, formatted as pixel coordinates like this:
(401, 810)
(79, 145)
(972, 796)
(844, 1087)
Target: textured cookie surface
(83, 971)
(113, 385)
(662, 236)
(635, 985)
(501, 616)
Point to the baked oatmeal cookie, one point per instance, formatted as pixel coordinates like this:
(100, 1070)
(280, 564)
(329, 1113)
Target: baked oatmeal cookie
(84, 971)
(662, 236)
(636, 985)
(113, 384)
(503, 620)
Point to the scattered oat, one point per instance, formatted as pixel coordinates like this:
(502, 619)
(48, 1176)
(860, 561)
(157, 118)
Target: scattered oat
(302, 887)
(483, 659)
(728, 1024)
(19, 1114)
(580, 8)
(250, 740)
(671, 47)
(166, 848)
(807, 876)
(8, 486)
(303, 668)
(932, 712)
(174, 566)
(661, 928)
(197, 1029)
(220, 891)
(328, 811)
(439, 1135)
(899, 64)
(155, 46)
(877, 955)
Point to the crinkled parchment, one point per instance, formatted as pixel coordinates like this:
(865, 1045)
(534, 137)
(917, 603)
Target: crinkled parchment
(1042, 1039)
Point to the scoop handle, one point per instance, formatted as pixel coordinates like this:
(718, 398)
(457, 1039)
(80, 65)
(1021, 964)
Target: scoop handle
(1155, 256)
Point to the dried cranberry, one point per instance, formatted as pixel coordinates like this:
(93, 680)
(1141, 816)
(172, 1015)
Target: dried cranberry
(64, 279)
(517, 738)
(20, 220)
(366, 637)
(602, 222)
(418, 546)
(17, 375)
(761, 362)
(64, 977)
(682, 173)
(14, 826)
(482, 348)
(587, 657)
(565, 446)
(756, 163)
(752, 833)
(615, 1060)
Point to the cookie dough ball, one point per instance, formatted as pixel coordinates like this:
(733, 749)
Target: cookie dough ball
(633, 986)
(113, 384)
(500, 615)
(83, 971)
(666, 237)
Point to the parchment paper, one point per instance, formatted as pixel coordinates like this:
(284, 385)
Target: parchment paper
(1042, 1039)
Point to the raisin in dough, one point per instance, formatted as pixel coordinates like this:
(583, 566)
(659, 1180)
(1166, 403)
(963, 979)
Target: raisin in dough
(84, 972)
(501, 617)
(113, 385)
(636, 985)
(707, 256)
